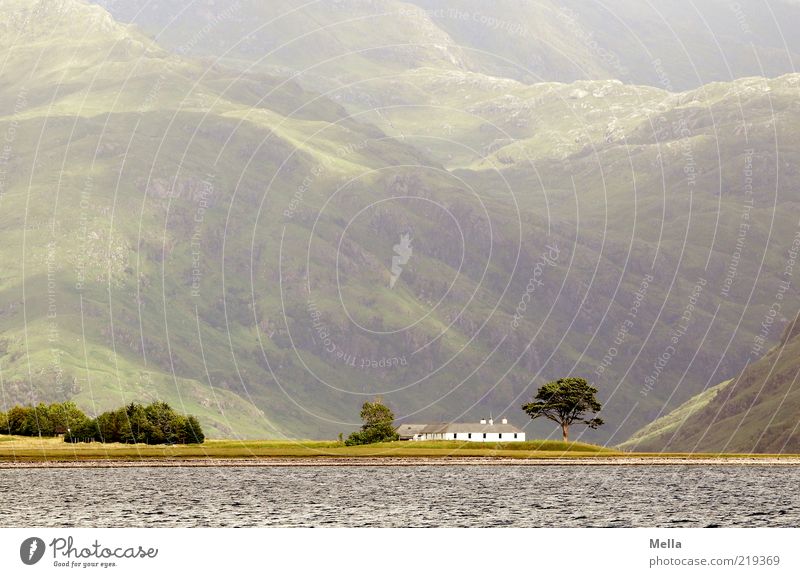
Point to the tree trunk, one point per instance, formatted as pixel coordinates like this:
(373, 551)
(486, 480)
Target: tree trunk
(565, 432)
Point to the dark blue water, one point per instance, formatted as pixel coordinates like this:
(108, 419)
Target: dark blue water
(410, 496)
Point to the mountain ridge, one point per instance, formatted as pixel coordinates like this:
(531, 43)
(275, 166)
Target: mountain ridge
(229, 245)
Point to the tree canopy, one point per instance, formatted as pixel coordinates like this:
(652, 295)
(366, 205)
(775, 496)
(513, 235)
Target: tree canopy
(377, 427)
(566, 401)
(42, 420)
(154, 424)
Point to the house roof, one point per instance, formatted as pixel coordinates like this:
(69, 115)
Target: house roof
(410, 429)
(434, 428)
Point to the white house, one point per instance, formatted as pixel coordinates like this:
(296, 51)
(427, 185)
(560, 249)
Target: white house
(482, 432)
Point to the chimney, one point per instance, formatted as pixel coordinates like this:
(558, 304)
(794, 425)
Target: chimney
(491, 421)
(504, 421)
(483, 421)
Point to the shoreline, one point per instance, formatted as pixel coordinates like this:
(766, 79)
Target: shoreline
(615, 461)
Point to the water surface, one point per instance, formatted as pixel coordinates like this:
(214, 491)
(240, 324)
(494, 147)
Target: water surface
(407, 496)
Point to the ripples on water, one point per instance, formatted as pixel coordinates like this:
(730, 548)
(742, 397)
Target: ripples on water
(411, 496)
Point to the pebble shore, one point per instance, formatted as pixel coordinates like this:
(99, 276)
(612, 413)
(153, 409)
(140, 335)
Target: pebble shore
(401, 462)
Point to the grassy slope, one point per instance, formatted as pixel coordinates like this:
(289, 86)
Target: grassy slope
(671, 422)
(755, 412)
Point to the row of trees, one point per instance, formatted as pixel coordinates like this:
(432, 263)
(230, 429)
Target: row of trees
(42, 420)
(565, 402)
(153, 424)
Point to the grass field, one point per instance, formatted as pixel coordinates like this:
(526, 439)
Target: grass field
(27, 449)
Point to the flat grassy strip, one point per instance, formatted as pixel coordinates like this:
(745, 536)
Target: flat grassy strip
(23, 449)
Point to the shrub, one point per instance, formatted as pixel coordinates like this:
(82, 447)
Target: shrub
(66, 417)
(111, 426)
(192, 431)
(17, 417)
(85, 432)
(377, 427)
(137, 427)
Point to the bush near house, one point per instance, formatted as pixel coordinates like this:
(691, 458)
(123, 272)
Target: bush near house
(153, 424)
(377, 427)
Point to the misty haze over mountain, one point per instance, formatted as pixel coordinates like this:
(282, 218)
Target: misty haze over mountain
(266, 213)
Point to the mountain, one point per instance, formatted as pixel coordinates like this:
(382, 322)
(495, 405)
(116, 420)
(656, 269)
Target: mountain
(267, 248)
(687, 42)
(757, 412)
(110, 179)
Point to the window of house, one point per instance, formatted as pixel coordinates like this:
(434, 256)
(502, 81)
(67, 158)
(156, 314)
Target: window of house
(515, 435)
(484, 435)
(500, 435)
(455, 435)
(469, 435)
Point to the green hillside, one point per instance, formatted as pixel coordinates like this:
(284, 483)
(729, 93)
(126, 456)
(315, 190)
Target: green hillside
(672, 422)
(757, 412)
(184, 219)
